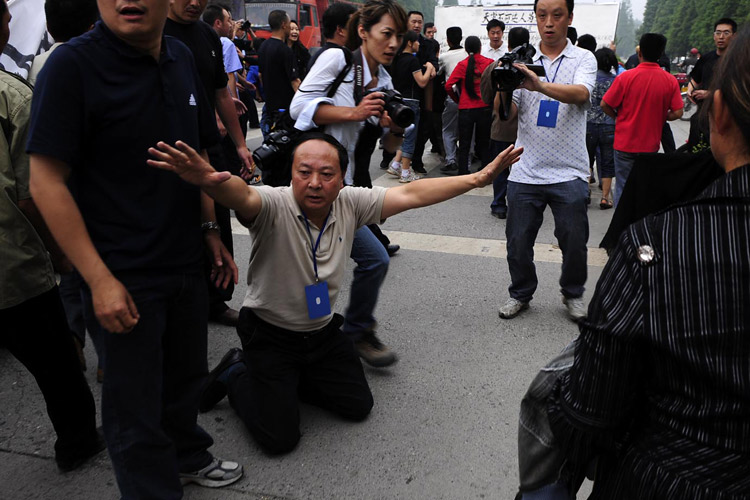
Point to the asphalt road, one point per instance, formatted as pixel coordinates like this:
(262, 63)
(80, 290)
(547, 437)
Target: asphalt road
(445, 418)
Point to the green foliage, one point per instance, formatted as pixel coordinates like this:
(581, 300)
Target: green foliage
(690, 23)
(626, 28)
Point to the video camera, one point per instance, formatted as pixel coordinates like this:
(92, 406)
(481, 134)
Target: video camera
(506, 77)
(401, 114)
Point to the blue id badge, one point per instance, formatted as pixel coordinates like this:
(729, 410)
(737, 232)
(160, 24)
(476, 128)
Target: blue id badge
(547, 114)
(318, 304)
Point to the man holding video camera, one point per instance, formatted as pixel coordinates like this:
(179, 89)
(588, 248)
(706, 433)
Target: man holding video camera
(554, 170)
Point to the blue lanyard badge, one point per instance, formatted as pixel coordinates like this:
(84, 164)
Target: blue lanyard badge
(318, 302)
(548, 109)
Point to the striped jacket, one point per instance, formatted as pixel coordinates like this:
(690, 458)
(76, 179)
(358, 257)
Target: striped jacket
(660, 385)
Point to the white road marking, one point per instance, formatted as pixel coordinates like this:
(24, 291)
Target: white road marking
(475, 247)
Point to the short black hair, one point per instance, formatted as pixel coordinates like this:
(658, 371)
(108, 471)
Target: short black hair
(408, 14)
(587, 42)
(517, 36)
(213, 12)
(568, 3)
(727, 20)
(495, 23)
(427, 26)
(336, 16)
(454, 35)
(276, 19)
(572, 35)
(606, 60)
(68, 19)
(652, 46)
(321, 136)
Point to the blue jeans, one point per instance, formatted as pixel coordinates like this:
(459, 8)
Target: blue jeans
(152, 381)
(526, 204)
(372, 265)
(623, 165)
(410, 138)
(500, 184)
(450, 130)
(601, 135)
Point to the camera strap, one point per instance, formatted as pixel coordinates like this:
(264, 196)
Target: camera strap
(359, 76)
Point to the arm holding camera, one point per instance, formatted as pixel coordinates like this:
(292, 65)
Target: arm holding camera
(565, 93)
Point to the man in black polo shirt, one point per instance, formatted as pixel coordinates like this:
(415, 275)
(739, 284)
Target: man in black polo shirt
(134, 235)
(183, 23)
(703, 72)
(278, 69)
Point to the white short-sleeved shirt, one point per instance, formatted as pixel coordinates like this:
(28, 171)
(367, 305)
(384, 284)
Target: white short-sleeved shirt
(494, 54)
(312, 93)
(447, 61)
(553, 155)
(281, 263)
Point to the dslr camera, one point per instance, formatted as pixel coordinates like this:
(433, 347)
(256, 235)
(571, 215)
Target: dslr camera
(401, 114)
(274, 151)
(506, 77)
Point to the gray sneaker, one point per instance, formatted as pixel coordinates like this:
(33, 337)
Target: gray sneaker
(215, 475)
(512, 308)
(576, 308)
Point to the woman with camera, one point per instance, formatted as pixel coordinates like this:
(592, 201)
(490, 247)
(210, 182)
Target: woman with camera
(374, 34)
(409, 78)
(301, 54)
(474, 116)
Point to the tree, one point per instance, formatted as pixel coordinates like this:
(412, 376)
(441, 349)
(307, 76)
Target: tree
(625, 34)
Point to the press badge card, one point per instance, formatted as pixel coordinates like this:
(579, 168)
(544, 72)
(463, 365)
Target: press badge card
(318, 304)
(548, 114)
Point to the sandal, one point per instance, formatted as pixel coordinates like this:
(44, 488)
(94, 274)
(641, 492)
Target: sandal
(605, 204)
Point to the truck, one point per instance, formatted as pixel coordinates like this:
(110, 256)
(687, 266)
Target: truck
(307, 13)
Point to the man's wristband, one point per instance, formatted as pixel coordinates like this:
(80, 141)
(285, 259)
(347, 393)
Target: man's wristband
(210, 226)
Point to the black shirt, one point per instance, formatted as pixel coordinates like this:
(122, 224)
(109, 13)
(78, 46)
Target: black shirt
(205, 45)
(98, 106)
(277, 66)
(402, 71)
(703, 71)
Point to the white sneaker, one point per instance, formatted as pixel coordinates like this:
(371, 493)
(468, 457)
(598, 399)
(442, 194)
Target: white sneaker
(410, 176)
(394, 169)
(512, 308)
(576, 308)
(215, 475)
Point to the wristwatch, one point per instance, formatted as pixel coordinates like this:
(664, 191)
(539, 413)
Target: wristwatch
(210, 226)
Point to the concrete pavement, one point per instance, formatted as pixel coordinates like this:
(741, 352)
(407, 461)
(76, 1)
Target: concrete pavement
(445, 417)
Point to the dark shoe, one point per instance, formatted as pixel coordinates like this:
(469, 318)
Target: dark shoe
(419, 169)
(230, 317)
(605, 204)
(500, 214)
(451, 167)
(374, 352)
(216, 390)
(392, 249)
(82, 455)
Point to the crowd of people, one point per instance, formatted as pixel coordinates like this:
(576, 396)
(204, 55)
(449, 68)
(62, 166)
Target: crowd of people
(653, 394)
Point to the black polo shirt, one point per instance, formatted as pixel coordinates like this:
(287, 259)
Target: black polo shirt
(703, 72)
(205, 45)
(278, 67)
(98, 106)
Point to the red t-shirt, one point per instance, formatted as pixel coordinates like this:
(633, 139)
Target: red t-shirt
(459, 77)
(642, 98)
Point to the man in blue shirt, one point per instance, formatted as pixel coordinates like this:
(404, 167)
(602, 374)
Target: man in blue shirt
(134, 235)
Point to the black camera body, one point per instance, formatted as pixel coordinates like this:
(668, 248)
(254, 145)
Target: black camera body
(506, 77)
(401, 114)
(275, 148)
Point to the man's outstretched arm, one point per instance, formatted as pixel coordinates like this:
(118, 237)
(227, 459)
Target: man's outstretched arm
(430, 191)
(228, 190)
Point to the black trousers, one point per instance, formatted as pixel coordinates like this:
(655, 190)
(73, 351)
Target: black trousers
(475, 121)
(283, 368)
(36, 332)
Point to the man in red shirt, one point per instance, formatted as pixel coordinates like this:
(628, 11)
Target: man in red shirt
(640, 100)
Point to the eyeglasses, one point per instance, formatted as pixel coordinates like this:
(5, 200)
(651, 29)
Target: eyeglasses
(723, 33)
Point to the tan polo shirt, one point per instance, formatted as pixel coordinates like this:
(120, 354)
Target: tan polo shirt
(25, 268)
(281, 264)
